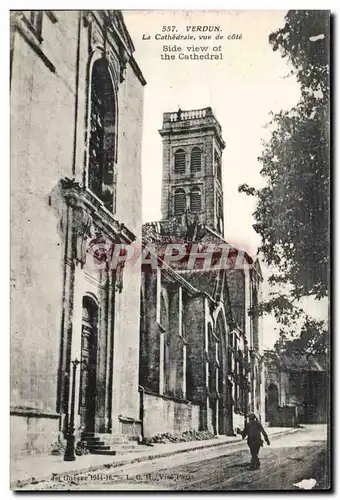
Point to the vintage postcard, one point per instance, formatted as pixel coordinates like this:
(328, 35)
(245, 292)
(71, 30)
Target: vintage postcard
(170, 241)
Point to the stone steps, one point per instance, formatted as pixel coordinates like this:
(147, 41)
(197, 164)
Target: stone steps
(106, 444)
(102, 451)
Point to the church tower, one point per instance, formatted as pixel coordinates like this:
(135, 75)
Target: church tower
(192, 167)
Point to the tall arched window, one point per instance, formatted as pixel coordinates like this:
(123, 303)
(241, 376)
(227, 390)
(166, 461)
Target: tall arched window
(164, 317)
(195, 200)
(180, 161)
(102, 141)
(255, 319)
(195, 160)
(219, 213)
(180, 204)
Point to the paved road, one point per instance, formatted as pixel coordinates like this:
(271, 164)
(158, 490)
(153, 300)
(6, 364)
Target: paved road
(288, 460)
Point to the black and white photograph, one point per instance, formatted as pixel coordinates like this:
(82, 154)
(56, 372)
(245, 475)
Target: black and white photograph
(170, 241)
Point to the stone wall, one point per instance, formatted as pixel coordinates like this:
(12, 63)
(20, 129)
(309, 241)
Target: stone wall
(163, 415)
(194, 324)
(42, 134)
(32, 434)
(150, 340)
(49, 118)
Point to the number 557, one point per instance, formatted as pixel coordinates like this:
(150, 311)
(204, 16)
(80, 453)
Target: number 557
(168, 28)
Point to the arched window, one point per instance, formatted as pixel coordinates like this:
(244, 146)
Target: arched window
(164, 318)
(180, 161)
(180, 204)
(217, 162)
(219, 213)
(195, 160)
(195, 200)
(102, 141)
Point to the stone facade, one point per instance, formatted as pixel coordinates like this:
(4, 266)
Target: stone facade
(200, 333)
(145, 351)
(197, 135)
(295, 390)
(76, 128)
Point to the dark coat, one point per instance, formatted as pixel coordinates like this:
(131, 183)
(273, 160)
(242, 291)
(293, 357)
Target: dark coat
(253, 430)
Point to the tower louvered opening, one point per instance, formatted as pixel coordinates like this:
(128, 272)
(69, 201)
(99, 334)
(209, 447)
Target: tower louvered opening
(195, 160)
(195, 200)
(218, 168)
(180, 204)
(180, 161)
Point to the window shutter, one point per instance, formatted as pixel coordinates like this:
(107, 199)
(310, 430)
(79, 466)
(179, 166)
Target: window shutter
(180, 161)
(195, 160)
(180, 204)
(217, 162)
(195, 200)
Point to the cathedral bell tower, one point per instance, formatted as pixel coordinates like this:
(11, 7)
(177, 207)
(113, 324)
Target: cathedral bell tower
(192, 168)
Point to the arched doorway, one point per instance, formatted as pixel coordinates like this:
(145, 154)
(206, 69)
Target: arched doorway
(272, 402)
(88, 378)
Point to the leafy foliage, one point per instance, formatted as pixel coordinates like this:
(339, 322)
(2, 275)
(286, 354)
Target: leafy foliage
(292, 213)
(304, 41)
(313, 340)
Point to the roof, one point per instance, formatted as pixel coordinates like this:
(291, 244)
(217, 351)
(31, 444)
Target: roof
(164, 232)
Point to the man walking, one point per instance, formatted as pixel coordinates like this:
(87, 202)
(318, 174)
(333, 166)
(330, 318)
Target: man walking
(253, 430)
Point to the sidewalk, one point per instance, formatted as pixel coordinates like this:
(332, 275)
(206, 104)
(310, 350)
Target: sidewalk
(39, 468)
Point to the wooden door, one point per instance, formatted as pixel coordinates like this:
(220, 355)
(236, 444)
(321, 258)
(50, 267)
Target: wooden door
(88, 367)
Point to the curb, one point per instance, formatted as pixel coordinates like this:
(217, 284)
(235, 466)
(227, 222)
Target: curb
(18, 484)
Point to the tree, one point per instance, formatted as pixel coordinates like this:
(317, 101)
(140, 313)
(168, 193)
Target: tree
(313, 340)
(292, 213)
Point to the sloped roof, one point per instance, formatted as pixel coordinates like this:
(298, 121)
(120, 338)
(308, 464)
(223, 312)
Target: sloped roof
(165, 231)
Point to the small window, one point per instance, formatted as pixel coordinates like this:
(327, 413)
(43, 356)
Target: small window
(195, 200)
(180, 161)
(180, 203)
(195, 160)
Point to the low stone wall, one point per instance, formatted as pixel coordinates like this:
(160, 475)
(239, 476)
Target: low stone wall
(32, 434)
(163, 415)
(130, 428)
(284, 416)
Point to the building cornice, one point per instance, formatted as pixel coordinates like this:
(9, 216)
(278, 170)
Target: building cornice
(81, 198)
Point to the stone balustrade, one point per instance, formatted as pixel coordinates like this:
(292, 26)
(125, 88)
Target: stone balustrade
(193, 114)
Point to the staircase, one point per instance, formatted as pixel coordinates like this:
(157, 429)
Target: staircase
(106, 444)
(96, 445)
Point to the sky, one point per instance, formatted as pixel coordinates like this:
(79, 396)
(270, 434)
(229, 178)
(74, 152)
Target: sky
(243, 88)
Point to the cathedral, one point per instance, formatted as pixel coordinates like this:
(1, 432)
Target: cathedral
(200, 363)
(128, 351)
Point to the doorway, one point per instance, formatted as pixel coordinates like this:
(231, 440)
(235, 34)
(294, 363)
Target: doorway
(88, 377)
(272, 403)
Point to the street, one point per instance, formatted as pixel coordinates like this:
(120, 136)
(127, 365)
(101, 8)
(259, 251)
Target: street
(289, 459)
